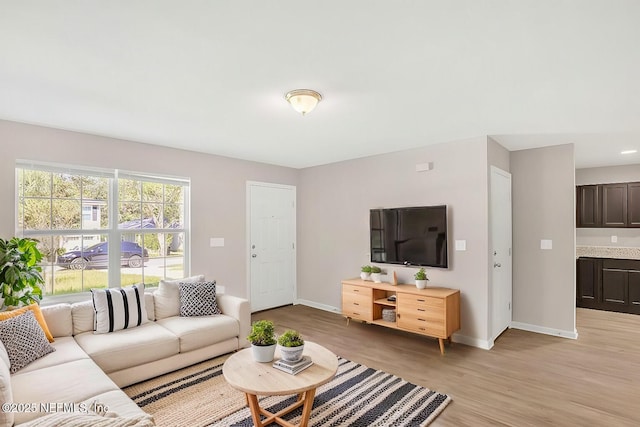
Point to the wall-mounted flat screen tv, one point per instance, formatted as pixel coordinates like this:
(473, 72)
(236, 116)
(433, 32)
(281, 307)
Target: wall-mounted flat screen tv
(409, 236)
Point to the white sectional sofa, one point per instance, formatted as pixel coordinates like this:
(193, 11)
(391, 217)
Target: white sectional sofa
(88, 367)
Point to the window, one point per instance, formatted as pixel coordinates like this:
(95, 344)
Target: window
(76, 213)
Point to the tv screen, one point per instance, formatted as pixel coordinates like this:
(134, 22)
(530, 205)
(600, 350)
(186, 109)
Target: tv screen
(410, 236)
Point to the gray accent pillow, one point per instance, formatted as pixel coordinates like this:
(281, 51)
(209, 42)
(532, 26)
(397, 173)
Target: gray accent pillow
(24, 340)
(198, 299)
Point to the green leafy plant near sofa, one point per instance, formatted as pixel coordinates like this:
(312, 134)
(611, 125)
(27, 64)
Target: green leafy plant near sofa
(21, 279)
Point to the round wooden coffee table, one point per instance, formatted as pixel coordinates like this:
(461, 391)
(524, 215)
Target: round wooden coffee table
(254, 378)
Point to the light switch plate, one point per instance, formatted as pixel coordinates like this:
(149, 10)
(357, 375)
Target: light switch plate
(216, 242)
(546, 244)
(461, 245)
(614, 239)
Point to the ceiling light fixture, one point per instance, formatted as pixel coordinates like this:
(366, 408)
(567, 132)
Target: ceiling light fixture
(628, 151)
(303, 100)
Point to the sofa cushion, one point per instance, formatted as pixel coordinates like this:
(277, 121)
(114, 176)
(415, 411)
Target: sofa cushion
(82, 314)
(198, 332)
(167, 296)
(67, 350)
(6, 418)
(129, 347)
(150, 305)
(198, 299)
(71, 382)
(58, 319)
(24, 340)
(119, 308)
(36, 312)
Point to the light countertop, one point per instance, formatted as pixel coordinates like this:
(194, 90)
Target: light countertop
(607, 252)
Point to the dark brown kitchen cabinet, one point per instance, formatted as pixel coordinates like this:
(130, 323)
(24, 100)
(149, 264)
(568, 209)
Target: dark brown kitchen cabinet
(633, 204)
(588, 206)
(621, 285)
(614, 205)
(589, 282)
(608, 205)
(608, 284)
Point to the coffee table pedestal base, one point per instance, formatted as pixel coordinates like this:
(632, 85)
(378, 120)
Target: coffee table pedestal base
(304, 399)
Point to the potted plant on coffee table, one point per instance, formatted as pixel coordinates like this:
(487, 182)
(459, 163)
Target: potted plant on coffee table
(421, 279)
(365, 272)
(263, 340)
(291, 345)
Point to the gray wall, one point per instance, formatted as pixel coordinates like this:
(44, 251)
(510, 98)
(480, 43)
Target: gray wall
(627, 237)
(217, 187)
(333, 221)
(543, 208)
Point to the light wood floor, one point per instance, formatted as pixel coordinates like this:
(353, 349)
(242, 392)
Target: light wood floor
(527, 379)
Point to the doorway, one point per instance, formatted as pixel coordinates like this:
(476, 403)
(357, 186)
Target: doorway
(271, 213)
(500, 257)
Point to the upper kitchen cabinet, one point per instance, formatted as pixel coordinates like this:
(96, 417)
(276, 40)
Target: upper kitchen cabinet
(633, 203)
(614, 205)
(608, 205)
(588, 206)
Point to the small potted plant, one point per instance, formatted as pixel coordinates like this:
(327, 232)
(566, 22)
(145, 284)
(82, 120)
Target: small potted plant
(263, 340)
(365, 272)
(421, 278)
(291, 345)
(376, 274)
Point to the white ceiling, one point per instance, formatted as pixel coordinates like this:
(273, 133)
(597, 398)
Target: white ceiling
(210, 76)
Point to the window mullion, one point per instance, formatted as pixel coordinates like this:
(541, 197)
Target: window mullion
(114, 234)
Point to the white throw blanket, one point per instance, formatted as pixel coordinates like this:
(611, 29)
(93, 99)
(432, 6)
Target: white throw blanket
(91, 420)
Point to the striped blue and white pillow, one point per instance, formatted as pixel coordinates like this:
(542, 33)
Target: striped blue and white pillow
(118, 308)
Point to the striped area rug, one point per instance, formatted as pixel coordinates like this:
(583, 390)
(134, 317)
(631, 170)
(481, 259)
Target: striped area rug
(358, 396)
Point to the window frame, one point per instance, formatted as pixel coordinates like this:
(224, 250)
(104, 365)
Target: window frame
(112, 230)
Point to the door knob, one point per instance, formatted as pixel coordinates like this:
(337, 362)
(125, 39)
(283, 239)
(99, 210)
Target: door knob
(253, 255)
(496, 264)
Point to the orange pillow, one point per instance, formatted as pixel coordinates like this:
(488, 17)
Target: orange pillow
(36, 312)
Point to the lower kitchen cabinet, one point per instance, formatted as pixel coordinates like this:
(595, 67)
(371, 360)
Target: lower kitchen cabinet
(608, 284)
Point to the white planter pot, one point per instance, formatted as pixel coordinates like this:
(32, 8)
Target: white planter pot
(291, 354)
(263, 353)
(377, 277)
(365, 276)
(421, 284)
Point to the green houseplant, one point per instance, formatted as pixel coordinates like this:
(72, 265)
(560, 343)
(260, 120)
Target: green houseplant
(421, 278)
(376, 273)
(291, 345)
(365, 272)
(263, 340)
(20, 273)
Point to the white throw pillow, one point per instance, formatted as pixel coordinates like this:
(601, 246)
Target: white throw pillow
(119, 308)
(167, 296)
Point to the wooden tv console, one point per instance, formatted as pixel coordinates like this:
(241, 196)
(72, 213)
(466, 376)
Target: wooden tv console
(433, 311)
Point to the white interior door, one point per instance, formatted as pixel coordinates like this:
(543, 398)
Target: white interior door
(501, 265)
(272, 243)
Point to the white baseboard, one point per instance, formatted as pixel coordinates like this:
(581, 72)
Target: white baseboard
(319, 306)
(544, 330)
(473, 342)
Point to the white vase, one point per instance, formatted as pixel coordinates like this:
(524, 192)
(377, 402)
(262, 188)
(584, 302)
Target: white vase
(421, 284)
(377, 277)
(263, 353)
(291, 354)
(365, 276)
